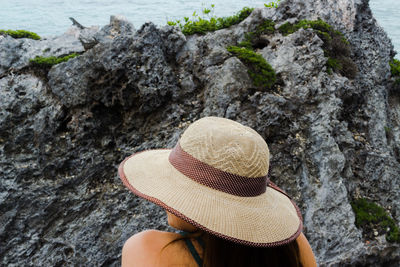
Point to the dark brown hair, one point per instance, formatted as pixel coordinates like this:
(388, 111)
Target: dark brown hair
(219, 252)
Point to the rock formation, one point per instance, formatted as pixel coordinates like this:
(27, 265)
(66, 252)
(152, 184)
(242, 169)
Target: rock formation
(64, 130)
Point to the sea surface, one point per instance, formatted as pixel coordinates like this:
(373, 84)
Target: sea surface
(51, 17)
(387, 13)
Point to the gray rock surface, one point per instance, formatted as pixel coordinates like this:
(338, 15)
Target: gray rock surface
(63, 133)
(15, 53)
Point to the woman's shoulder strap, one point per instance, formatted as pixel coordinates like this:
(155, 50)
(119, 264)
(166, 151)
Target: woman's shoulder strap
(192, 249)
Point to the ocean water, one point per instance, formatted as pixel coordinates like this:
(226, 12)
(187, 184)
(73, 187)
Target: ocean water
(387, 13)
(51, 17)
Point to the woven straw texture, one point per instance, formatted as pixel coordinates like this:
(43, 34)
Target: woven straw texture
(212, 177)
(227, 146)
(266, 219)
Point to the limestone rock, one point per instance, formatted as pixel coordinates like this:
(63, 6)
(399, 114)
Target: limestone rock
(16, 53)
(119, 25)
(63, 134)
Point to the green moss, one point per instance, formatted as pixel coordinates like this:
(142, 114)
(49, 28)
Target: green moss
(395, 70)
(369, 214)
(20, 34)
(251, 38)
(395, 67)
(267, 27)
(333, 64)
(387, 129)
(323, 29)
(287, 28)
(318, 25)
(50, 61)
(272, 4)
(259, 70)
(248, 40)
(202, 26)
(336, 47)
(262, 74)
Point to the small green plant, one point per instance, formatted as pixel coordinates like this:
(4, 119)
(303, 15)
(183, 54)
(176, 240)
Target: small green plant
(20, 34)
(252, 38)
(259, 70)
(202, 25)
(319, 25)
(369, 215)
(336, 47)
(248, 40)
(50, 61)
(262, 74)
(272, 4)
(333, 64)
(395, 70)
(267, 27)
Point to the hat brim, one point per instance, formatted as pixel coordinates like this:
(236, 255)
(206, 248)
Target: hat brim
(270, 219)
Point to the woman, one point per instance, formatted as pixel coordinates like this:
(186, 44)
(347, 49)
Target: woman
(214, 187)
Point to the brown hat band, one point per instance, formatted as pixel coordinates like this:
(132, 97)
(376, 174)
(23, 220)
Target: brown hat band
(212, 177)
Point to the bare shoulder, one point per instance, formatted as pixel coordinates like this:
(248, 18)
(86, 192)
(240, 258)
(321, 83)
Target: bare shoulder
(144, 248)
(152, 237)
(306, 254)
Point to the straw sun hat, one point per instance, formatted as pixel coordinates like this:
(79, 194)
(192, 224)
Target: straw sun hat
(216, 179)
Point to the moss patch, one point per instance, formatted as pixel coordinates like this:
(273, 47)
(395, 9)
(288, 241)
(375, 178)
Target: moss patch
(336, 47)
(273, 4)
(262, 74)
(395, 70)
(20, 34)
(319, 25)
(50, 61)
(333, 64)
(201, 25)
(259, 70)
(253, 39)
(370, 216)
(267, 27)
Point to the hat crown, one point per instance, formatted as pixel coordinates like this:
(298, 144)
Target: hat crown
(228, 146)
